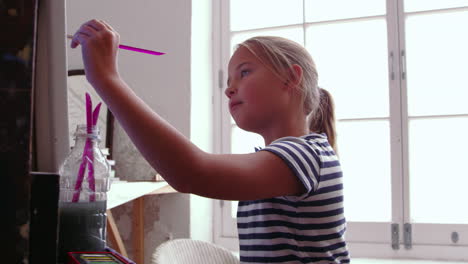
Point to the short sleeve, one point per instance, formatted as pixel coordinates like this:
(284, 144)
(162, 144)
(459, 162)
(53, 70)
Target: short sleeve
(301, 158)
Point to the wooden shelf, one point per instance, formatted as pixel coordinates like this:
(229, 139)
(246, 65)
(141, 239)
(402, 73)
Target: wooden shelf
(123, 192)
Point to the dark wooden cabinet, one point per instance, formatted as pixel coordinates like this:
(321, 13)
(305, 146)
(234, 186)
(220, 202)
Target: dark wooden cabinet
(27, 239)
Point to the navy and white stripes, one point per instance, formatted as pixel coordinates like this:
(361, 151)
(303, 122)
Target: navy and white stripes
(308, 228)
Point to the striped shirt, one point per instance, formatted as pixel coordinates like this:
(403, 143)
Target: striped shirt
(308, 228)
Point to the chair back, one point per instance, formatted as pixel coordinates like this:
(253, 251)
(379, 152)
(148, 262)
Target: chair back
(190, 251)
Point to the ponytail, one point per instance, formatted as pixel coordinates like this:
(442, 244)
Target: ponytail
(322, 120)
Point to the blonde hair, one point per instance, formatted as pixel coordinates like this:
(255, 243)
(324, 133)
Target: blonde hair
(323, 120)
(279, 55)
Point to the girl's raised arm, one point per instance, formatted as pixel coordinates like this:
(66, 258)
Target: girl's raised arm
(185, 167)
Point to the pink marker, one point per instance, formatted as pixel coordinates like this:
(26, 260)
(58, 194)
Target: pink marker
(125, 47)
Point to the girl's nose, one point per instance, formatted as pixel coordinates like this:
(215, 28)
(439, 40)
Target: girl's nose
(230, 91)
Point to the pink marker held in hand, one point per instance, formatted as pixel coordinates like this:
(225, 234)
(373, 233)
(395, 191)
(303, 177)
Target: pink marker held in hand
(125, 47)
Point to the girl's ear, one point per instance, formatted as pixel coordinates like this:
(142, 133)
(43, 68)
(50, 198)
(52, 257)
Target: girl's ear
(295, 76)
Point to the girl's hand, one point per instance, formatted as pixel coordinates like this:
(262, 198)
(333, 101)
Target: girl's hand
(100, 43)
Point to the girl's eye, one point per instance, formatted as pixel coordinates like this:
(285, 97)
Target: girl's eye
(244, 73)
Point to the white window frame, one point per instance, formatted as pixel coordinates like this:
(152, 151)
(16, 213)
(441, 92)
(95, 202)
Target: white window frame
(222, 122)
(370, 243)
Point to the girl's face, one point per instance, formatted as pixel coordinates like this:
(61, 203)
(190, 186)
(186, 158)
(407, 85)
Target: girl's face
(256, 95)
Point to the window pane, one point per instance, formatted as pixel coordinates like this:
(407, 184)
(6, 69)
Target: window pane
(364, 150)
(244, 142)
(234, 205)
(421, 5)
(438, 152)
(352, 64)
(437, 57)
(293, 33)
(248, 14)
(340, 9)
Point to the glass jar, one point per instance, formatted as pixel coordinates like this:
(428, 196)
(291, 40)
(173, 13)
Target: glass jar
(84, 183)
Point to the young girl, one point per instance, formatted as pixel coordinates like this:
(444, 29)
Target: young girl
(290, 192)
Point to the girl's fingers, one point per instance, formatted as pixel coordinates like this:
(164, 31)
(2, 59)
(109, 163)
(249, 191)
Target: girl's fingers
(74, 44)
(106, 25)
(95, 24)
(91, 29)
(87, 31)
(78, 38)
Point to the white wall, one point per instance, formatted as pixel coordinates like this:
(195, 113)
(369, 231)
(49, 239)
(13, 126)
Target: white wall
(163, 82)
